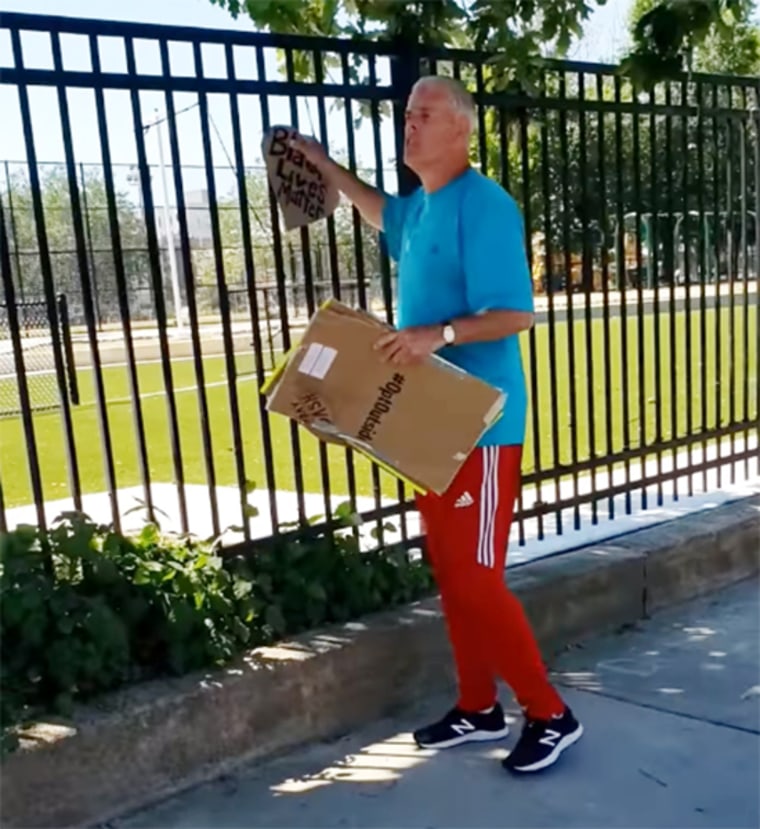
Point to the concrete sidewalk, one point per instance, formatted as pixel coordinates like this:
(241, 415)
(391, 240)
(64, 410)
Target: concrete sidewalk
(671, 708)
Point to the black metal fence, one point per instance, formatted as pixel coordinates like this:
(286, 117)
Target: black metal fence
(642, 214)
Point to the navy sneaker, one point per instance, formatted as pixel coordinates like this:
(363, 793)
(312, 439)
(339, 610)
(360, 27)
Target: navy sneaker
(542, 742)
(463, 727)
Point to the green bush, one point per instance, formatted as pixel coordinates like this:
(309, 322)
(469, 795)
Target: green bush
(84, 609)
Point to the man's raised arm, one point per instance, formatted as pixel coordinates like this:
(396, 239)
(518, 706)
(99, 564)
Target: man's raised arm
(368, 201)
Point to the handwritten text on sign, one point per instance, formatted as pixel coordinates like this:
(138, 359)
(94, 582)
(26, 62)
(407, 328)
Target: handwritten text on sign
(300, 189)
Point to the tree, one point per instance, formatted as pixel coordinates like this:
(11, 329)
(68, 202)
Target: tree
(719, 48)
(516, 32)
(22, 234)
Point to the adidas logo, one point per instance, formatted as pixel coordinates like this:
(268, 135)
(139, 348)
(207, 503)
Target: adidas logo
(464, 500)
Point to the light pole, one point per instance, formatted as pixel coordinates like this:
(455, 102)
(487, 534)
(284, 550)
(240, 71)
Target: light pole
(168, 227)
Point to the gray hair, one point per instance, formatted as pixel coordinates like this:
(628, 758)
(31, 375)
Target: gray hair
(461, 100)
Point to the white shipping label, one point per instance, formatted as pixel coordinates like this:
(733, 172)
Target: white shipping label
(317, 360)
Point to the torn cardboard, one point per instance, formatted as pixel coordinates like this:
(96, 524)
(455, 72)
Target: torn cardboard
(418, 422)
(303, 193)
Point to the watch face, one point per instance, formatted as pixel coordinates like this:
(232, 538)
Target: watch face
(448, 333)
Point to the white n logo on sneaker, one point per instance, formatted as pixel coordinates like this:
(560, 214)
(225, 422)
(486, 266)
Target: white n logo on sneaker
(462, 727)
(550, 738)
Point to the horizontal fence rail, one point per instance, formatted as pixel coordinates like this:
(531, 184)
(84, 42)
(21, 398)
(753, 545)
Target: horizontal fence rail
(140, 234)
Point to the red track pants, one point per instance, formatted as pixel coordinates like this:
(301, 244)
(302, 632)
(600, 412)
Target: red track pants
(467, 534)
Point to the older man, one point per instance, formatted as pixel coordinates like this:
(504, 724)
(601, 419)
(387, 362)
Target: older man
(464, 292)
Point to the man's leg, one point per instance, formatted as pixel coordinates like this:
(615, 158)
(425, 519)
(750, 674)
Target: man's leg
(476, 515)
(477, 715)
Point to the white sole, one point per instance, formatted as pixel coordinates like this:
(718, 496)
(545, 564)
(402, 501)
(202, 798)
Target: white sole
(552, 758)
(472, 737)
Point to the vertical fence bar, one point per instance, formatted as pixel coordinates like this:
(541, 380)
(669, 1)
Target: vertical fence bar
(671, 250)
(587, 279)
(90, 252)
(718, 386)
(704, 252)
(730, 251)
(332, 244)
(3, 519)
(744, 188)
(68, 348)
(622, 277)
(755, 113)
(548, 194)
(385, 270)
(27, 421)
(121, 279)
(86, 289)
(13, 234)
(281, 294)
(224, 305)
(154, 258)
(482, 143)
(653, 249)
(686, 235)
(188, 277)
(532, 345)
(640, 344)
(605, 233)
(72, 466)
(361, 277)
(567, 254)
(311, 299)
(252, 292)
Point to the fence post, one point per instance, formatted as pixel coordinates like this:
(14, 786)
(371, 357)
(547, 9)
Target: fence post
(405, 72)
(68, 348)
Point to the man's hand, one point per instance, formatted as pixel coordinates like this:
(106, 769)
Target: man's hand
(410, 346)
(368, 201)
(312, 150)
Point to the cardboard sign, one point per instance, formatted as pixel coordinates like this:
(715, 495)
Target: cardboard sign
(418, 422)
(303, 193)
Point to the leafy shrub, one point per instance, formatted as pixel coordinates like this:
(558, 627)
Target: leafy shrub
(84, 609)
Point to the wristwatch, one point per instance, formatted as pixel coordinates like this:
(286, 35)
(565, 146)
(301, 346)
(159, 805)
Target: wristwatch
(449, 334)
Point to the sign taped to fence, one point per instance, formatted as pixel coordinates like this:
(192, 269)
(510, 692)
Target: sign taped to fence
(303, 193)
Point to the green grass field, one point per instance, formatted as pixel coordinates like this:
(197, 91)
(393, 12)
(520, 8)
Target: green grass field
(724, 389)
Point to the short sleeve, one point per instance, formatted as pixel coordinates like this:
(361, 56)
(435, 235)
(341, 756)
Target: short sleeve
(394, 214)
(497, 275)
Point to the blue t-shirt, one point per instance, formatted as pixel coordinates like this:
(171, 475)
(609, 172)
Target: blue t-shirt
(461, 250)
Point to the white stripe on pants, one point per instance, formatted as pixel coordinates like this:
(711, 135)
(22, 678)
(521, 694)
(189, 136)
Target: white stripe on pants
(489, 504)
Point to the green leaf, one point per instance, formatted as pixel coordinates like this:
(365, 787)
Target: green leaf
(316, 591)
(241, 630)
(250, 486)
(275, 618)
(241, 588)
(149, 535)
(250, 511)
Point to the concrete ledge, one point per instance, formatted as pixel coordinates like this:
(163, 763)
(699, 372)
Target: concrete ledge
(142, 744)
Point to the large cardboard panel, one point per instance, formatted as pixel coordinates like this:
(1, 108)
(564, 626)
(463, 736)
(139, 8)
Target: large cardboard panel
(420, 422)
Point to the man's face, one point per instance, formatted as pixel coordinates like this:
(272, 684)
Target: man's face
(432, 127)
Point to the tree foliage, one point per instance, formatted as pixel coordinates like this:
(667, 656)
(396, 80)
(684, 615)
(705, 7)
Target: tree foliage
(672, 36)
(517, 32)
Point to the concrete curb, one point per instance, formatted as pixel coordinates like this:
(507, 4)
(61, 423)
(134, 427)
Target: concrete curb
(145, 743)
